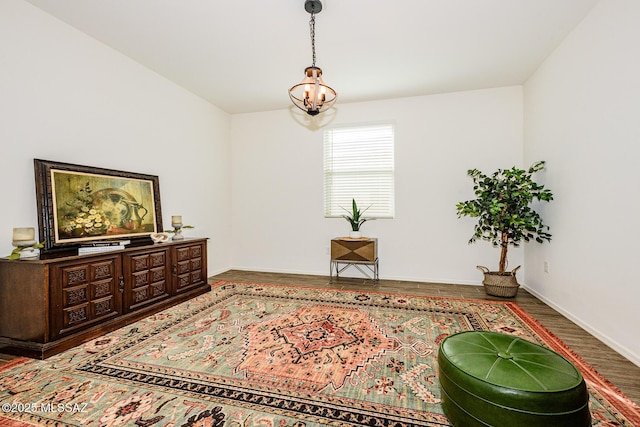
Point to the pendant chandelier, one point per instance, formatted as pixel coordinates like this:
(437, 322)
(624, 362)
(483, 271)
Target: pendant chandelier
(312, 95)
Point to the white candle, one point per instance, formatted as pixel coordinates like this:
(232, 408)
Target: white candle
(24, 234)
(176, 219)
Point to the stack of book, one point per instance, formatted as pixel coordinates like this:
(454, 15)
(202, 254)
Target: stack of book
(103, 246)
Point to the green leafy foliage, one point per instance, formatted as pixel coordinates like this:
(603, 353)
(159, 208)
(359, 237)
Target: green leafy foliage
(15, 253)
(502, 208)
(183, 227)
(355, 216)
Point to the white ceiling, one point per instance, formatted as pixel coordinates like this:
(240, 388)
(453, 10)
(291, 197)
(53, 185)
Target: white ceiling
(244, 55)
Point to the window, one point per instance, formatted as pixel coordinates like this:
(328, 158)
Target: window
(358, 164)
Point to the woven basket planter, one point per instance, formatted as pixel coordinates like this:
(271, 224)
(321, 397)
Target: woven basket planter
(500, 285)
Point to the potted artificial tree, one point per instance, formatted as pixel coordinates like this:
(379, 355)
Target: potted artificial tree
(355, 219)
(505, 218)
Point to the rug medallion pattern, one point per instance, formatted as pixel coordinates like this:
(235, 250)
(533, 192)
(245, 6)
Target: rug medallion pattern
(264, 355)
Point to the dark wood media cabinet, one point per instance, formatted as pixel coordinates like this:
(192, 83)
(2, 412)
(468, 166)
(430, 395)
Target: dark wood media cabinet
(55, 303)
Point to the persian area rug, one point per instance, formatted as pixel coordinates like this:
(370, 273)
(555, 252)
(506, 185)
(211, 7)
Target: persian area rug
(249, 354)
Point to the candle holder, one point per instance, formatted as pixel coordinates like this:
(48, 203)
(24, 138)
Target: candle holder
(176, 223)
(177, 232)
(29, 252)
(25, 243)
(26, 249)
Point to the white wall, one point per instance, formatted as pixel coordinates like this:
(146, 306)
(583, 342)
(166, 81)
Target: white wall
(277, 185)
(583, 117)
(65, 97)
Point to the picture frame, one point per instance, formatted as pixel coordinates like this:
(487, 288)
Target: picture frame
(83, 204)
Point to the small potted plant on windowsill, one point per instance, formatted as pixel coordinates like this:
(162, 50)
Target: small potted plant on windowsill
(505, 218)
(355, 219)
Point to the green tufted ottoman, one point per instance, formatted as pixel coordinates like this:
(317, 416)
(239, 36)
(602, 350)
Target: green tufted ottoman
(494, 379)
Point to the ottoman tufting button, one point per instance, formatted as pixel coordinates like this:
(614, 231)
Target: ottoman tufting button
(494, 379)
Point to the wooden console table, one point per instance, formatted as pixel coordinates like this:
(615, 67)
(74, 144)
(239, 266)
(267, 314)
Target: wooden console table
(362, 254)
(51, 304)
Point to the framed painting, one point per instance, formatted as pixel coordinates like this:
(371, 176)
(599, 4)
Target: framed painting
(78, 204)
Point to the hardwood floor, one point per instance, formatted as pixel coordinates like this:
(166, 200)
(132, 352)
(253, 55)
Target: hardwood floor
(621, 372)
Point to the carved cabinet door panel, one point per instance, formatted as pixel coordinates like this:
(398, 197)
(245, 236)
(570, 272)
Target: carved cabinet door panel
(84, 292)
(189, 266)
(147, 277)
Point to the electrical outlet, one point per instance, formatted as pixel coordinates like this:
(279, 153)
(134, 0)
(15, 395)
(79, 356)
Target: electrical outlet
(546, 266)
(326, 250)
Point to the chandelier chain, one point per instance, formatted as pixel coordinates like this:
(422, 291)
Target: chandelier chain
(312, 31)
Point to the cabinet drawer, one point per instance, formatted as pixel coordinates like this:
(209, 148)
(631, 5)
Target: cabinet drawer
(354, 250)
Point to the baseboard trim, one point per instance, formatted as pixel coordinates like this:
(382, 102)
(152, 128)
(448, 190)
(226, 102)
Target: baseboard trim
(219, 271)
(324, 273)
(617, 347)
(279, 271)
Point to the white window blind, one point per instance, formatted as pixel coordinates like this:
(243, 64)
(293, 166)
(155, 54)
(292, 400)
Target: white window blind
(358, 164)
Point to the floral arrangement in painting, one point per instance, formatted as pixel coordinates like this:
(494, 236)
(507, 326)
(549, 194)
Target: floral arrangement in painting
(88, 221)
(82, 217)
